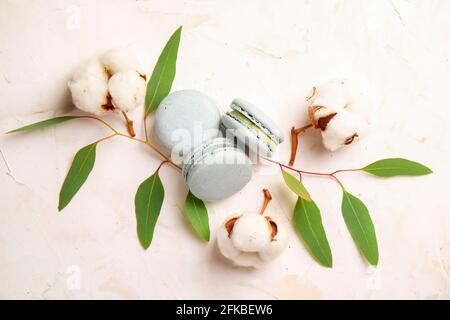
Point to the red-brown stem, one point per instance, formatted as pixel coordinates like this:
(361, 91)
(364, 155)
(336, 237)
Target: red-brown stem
(104, 138)
(153, 147)
(329, 174)
(294, 141)
(267, 198)
(300, 172)
(294, 146)
(161, 164)
(129, 124)
(101, 121)
(338, 181)
(347, 170)
(117, 133)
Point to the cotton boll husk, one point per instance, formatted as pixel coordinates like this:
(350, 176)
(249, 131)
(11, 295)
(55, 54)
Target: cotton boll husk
(323, 112)
(251, 233)
(281, 240)
(120, 59)
(342, 127)
(89, 94)
(127, 89)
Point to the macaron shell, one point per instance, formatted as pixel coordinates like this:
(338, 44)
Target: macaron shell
(198, 154)
(188, 113)
(219, 174)
(259, 115)
(246, 136)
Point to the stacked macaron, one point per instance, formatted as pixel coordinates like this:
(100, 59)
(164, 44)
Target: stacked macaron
(214, 168)
(185, 119)
(252, 128)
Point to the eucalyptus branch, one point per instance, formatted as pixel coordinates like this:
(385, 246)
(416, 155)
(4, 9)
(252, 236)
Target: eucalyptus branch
(105, 138)
(151, 146)
(300, 172)
(99, 120)
(146, 142)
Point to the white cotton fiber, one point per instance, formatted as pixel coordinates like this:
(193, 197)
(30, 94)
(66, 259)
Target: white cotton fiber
(127, 89)
(251, 240)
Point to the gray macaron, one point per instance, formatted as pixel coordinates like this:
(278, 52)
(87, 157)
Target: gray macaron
(216, 170)
(185, 119)
(252, 128)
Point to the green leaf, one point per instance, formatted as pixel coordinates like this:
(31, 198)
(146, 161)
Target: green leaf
(296, 186)
(43, 124)
(396, 167)
(160, 83)
(359, 223)
(197, 215)
(308, 223)
(82, 165)
(148, 201)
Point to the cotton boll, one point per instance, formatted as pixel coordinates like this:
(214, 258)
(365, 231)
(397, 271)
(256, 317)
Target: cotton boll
(127, 89)
(89, 87)
(333, 94)
(119, 59)
(343, 129)
(319, 112)
(279, 242)
(249, 260)
(331, 112)
(251, 233)
(114, 81)
(90, 68)
(89, 94)
(225, 244)
(250, 240)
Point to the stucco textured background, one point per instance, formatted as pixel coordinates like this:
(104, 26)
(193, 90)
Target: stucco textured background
(271, 53)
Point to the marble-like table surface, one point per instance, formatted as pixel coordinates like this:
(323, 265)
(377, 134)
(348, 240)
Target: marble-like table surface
(271, 53)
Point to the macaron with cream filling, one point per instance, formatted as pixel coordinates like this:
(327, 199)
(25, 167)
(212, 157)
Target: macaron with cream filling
(252, 128)
(216, 169)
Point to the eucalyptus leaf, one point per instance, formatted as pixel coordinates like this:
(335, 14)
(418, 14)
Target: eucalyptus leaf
(308, 223)
(160, 83)
(359, 223)
(396, 167)
(43, 124)
(148, 201)
(79, 171)
(296, 186)
(197, 215)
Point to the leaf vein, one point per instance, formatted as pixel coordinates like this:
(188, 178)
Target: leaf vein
(314, 234)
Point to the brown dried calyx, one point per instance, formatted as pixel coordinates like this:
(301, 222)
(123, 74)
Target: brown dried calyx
(229, 225)
(350, 139)
(322, 122)
(143, 76)
(272, 227)
(267, 199)
(108, 105)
